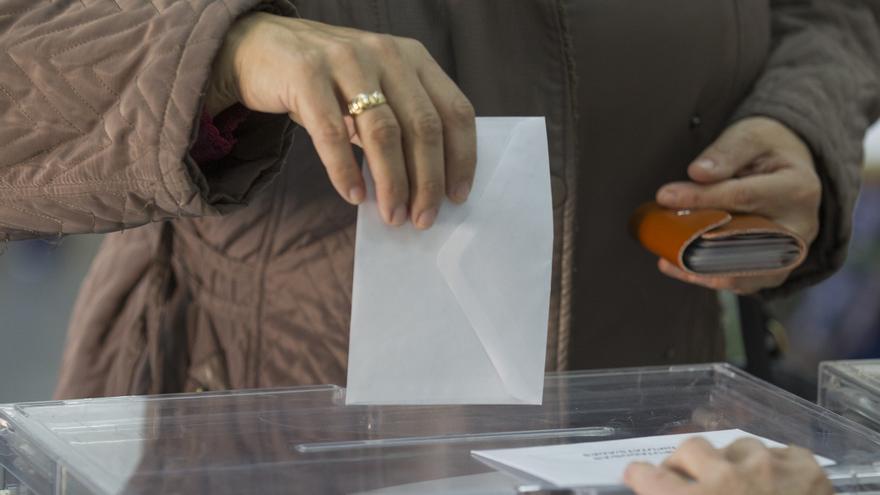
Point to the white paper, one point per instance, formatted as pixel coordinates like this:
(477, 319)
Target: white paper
(458, 314)
(603, 463)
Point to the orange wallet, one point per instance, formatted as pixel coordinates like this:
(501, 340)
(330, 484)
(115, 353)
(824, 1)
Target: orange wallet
(716, 242)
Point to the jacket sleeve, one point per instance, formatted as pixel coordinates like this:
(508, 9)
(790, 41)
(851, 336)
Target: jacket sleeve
(822, 80)
(99, 105)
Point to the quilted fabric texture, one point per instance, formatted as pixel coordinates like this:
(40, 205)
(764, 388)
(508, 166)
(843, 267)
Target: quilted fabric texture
(98, 99)
(829, 101)
(100, 103)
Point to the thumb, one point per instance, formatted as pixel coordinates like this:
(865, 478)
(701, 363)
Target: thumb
(734, 150)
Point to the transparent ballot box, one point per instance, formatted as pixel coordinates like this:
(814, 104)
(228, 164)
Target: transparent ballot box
(852, 389)
(305, 440)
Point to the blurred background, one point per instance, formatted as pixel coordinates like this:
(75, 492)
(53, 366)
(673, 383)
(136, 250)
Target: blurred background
(38, 285)
(782, 341)
(839, 318)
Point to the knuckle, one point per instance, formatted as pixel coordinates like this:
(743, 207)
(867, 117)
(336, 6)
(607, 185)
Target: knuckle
(385, 132)
(308, 63)
(760, 463)
(749, 136)
(740, 443)
(341, 51)
(462, 111)
(431, 189)
(331, 132)
(413, 46)
(394, 190)
(382, 43)
(427, 126)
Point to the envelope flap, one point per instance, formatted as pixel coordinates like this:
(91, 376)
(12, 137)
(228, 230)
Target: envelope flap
(487, 268)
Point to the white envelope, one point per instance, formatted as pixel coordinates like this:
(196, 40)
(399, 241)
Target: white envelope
(458, 314)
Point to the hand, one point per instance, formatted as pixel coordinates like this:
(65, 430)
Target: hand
(746, 467)
(757, 166)
(420, 146)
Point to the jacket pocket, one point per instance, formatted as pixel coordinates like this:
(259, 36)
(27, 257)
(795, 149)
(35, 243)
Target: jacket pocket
(208, 368)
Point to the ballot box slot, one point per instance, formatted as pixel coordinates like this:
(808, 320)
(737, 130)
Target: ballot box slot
(500, 437)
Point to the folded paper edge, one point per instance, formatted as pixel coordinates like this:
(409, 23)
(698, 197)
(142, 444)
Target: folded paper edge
(448, 260)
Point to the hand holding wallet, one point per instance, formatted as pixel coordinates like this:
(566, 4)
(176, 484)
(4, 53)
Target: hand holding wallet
(716, 242)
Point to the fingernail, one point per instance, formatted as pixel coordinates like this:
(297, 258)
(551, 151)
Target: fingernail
(356, 194)
(426, 218)
(399, 216)
(706, 164)
(461, 192)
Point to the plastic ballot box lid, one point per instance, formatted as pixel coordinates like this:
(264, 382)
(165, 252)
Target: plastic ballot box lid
(852, 389)
(305, 440)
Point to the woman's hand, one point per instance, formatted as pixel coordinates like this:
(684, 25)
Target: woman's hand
(746, 467)
(757, 166)
(420, 146)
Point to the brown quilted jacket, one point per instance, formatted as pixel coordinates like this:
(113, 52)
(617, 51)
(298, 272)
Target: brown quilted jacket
(238, 274)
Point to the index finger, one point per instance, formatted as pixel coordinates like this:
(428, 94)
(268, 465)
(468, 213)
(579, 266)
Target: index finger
(755, 193)
(459, 130)
(743, 448)
(322, 118)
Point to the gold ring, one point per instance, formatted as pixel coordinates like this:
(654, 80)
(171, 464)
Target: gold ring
(365, 101)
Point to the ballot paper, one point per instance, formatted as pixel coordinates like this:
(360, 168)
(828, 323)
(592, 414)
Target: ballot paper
(458, 314)
(603, 463)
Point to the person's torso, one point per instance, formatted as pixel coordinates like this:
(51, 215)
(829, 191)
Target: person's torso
(632, 90)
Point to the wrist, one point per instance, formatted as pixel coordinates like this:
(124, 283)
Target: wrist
(217, 97)
(222, 90)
